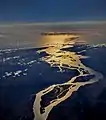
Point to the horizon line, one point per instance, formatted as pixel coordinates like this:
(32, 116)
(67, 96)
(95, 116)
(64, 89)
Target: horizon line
(55, 22)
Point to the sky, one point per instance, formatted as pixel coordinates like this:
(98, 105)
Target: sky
(52, 10)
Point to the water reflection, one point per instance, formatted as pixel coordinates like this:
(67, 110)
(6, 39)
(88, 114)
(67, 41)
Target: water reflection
(57, 57)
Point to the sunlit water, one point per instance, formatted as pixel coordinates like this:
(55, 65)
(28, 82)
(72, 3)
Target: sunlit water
(62, 59)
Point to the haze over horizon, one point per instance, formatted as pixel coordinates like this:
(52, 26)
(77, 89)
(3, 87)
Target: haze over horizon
(53, 15)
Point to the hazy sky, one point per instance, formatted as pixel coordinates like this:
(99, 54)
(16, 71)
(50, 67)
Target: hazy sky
(52, 10)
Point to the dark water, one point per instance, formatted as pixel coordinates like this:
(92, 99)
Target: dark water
(23, 74)
(17, 94)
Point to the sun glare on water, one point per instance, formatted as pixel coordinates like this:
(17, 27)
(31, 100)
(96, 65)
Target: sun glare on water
(58, 57)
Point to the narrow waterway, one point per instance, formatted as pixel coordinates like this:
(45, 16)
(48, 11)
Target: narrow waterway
(60, 92)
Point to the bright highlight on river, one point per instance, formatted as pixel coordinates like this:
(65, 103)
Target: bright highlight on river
(57, 74)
